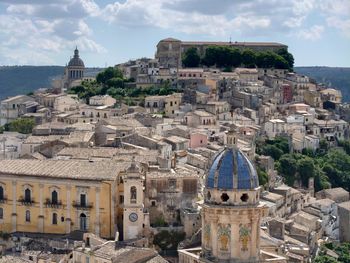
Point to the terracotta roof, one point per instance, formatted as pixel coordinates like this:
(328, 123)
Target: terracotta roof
(64, 169)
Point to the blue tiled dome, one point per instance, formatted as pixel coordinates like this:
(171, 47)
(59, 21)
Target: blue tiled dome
(230, 170)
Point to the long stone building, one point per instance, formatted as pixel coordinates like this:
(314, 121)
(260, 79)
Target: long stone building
(170, 50)
(61, 196)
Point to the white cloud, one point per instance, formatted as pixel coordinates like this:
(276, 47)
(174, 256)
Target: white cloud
(46, 27)
(313, 33)
(342, 25)
(244, 18)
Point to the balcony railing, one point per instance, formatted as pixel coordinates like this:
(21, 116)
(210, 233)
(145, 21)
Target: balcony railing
(50, 204)
(3, 200)
(26, 202)
(79, 205)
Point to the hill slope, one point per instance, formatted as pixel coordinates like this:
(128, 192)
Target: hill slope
(338, 78)
(16, 80)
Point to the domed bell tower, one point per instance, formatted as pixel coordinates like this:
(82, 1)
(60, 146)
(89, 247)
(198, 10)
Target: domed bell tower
(135, 219)
(232, 212)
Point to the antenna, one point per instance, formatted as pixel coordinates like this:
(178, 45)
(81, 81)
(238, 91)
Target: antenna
(230, 40)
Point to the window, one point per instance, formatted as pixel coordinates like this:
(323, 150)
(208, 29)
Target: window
(244, 197)
(171, 103)
(83, 221)
(133, 194)
(121, 199)
(54, 219)
(209, 195)
(1, 193)
(27, 216)
(27, 195)
(54, 197)
(225, 197)
(83, 199)
(1, 213)
(172, 183)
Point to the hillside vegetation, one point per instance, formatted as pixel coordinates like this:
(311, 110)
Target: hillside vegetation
(338, 78)
(16, 80)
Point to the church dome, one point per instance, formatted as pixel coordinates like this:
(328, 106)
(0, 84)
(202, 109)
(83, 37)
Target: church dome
(76, 61)
(231, 170)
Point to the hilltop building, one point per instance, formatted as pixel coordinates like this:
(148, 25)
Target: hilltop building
(170, 50)
(74, 71)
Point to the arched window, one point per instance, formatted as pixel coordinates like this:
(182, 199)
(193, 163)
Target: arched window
(133, 194)
(1, 193)
(54, 219)
(83, 221)
(27, 195)
(1, 213)
(27, 216)
(54, 197)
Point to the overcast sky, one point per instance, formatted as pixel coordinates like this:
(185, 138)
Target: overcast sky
(107, 32)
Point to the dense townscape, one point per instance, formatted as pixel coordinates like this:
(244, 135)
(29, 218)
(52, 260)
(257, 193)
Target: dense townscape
(208, 152)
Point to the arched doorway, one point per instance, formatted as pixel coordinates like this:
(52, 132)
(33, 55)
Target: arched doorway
(83, 222)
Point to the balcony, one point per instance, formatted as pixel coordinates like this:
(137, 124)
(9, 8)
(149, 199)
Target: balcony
(82, 206)
(26, 202)
(3, 200)
(50, 204)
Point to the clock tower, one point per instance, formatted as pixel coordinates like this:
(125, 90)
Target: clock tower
(135, 219)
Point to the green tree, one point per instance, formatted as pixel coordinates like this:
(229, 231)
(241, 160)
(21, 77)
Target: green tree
(108, 74)
(287, 167)
(22, 125)
(263, 176)
(272, 151)
(324, 145)
(325, 259)
(345, 145)
(248, 58)
(235, 57)
(306, 170)
(191, 58)
(115, 82)
(283, 52)
(210, 57)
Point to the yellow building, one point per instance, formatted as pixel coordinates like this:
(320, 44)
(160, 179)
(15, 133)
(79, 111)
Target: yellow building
(60, 196)
(172, 104)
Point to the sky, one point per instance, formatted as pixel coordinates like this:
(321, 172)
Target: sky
(108, 32)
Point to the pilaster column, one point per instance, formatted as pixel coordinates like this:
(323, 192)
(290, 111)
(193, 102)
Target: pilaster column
(214, 236)
(68, 207)
(14, 206)
(41, 199)
(41, 212)
(113, 215)
(254, 237)
(97, 204)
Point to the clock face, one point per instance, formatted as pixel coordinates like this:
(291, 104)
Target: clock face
(133, 217)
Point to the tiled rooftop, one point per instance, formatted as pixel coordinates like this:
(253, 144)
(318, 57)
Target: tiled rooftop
(65, 169)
